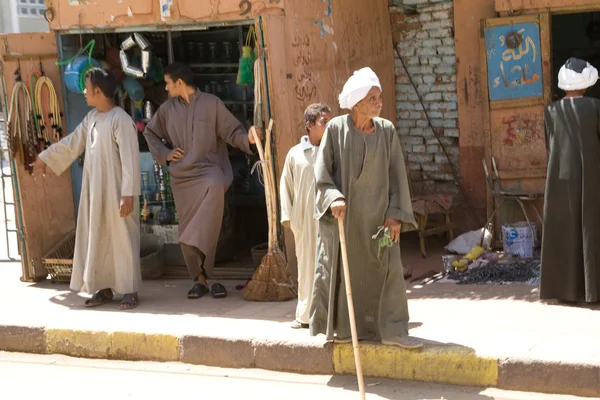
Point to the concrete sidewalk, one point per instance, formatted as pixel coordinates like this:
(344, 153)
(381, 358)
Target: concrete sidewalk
(476, 335)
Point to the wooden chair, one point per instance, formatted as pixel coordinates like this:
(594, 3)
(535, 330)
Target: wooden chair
(499, 193)
(424, 226)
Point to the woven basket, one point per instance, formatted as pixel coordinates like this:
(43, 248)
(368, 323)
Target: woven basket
(59, 261)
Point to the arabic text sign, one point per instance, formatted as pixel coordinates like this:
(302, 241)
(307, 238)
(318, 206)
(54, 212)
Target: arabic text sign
(514, 69)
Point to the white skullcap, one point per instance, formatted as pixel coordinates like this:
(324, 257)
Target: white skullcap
(577, 74)
(357, 87)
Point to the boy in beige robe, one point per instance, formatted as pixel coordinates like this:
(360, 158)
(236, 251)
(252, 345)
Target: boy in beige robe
(107, 243)
(297, 191)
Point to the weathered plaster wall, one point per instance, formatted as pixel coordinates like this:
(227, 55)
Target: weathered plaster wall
(90, 14)
(467, 15)
(424, 34)
(312, 51)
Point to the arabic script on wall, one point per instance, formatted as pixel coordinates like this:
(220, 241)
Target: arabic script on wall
(514, 61)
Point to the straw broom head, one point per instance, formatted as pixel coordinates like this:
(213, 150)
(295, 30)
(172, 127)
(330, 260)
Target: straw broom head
(272, 280)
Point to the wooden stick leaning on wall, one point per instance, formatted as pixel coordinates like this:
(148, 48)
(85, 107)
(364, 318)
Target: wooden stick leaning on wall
(271, 183)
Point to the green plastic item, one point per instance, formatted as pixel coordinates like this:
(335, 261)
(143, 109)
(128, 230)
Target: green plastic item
(246, 68)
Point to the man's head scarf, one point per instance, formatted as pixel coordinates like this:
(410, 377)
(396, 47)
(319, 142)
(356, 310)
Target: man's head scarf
(577, 74)
(358, 87)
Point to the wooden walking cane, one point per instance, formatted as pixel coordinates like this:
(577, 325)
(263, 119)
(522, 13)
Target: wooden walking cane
(359, 374)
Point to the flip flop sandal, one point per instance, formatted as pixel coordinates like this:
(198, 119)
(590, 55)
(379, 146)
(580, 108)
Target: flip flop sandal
(197, 291)
(298, 325)
(406, 342)
(218, 291)
(129, 302)
(99, 298)
(242, 286)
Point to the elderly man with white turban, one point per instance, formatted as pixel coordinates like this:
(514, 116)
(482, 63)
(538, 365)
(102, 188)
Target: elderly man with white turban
(571, 236)
(361, 177)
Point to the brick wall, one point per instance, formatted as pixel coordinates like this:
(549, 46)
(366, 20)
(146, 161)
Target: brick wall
(423, 31)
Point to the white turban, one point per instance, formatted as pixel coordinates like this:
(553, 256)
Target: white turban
(577, 74)
(357, 87)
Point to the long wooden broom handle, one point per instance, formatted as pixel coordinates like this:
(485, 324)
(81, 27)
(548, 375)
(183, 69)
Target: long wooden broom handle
(359, 373)
(261, 154)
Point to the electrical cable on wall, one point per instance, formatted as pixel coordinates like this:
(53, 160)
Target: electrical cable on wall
(456, 178)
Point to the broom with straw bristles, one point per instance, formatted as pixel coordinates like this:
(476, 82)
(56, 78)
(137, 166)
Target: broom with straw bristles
(272, 280)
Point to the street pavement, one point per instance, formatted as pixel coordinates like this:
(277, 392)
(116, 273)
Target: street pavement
(55, 377)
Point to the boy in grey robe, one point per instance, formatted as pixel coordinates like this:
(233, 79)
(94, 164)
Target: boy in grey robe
(361, 178)
(107, 243)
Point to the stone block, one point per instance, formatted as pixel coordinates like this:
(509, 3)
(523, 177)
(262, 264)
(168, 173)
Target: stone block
(420, 158)
(431, 43)
(451, 133)
(426, 51)
(305, 358)
(449, 123)
(25, 339)
(446, 50)
(450, 97)
(549, 377)
(419, 149)
(429, 79)
(439, 34)
(405, 106)
(217, 352)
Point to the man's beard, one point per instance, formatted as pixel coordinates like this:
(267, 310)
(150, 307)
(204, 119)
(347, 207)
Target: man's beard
(375, 113)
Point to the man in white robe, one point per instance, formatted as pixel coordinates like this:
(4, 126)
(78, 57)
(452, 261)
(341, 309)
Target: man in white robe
(107, 244)
(297, 190)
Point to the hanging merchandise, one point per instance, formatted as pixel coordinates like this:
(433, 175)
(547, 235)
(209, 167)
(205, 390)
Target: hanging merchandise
(148, 111)
(246, 66)
(146, 57)
(134, 89)
(164, 215)
(77, 66)
(48, 117)
(20, 124)
(33, 78)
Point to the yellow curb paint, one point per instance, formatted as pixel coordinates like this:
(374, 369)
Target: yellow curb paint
(141, 346)
(452, 364)
(86, 344)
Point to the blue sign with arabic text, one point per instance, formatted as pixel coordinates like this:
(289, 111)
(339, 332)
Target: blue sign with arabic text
(514, 61)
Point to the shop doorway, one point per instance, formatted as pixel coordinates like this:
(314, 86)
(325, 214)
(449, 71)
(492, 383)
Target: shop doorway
(575, 35)
(213, 54)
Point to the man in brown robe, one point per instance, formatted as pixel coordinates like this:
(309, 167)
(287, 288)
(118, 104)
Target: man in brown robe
(570, 256)
(198, 127)
(361, 178)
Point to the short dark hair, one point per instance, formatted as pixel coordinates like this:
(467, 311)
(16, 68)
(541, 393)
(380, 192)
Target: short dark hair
(313, 112)
(104, 80)
(179, 70)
